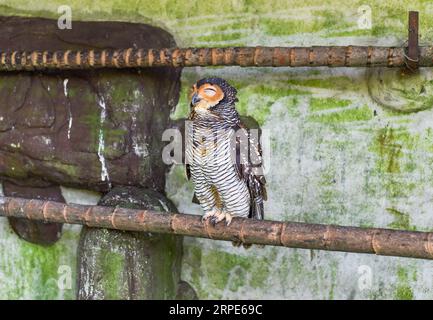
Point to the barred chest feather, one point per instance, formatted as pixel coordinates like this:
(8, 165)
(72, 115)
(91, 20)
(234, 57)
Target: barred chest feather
(211, 155)
(209, 148)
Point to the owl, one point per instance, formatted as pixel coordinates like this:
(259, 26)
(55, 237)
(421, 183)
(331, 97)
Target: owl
(223, 158)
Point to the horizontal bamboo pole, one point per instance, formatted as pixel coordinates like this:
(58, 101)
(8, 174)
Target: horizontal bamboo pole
(288, 234)
(331, 56)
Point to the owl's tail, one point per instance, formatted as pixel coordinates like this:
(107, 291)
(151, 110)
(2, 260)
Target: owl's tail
(257, 211)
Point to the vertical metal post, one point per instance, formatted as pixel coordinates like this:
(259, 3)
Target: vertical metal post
(413, 49)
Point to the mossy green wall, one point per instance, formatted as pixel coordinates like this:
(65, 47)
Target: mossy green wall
(348, 146)
(30, 271)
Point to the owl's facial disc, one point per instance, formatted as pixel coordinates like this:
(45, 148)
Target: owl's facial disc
(205, 97)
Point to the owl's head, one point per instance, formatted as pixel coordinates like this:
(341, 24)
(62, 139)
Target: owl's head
(212, 95)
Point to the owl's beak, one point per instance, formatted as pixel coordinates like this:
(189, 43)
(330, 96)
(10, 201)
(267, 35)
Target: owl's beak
(195, 99)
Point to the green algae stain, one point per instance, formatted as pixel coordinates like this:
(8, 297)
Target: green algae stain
(401, 220)
(221, 37)
(399, 91)
(389, 149)
(193, 259)
(44, 272)
(392, 162)
(389, 144)
(182, 108)
(112, 139)
(403, 290)
(318, 104)
(350, 33)
(334, 279)
(225, 271)
(15, 166)
(218, 265)
(320, 20)
(165, 266)
(45, 285)
(257, 101)
(41, 270)
(93, 122)
(337, 83)
(112, 264)
(68, 169)
(281, 27)
(363, 113)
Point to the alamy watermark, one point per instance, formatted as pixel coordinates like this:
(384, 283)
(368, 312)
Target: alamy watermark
(365, 279)
(64, 280)
(246, 146)
(364, 17)
(65, 19)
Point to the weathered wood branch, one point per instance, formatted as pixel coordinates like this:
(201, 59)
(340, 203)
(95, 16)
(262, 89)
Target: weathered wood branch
(288, 234)
(331, 56)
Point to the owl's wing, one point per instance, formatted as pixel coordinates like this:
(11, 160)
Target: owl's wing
(188, 176)
(249, 166)
(188, 171)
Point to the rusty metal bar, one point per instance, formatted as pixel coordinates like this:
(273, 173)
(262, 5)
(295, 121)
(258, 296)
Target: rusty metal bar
(317, 56)
(413, 50)
(411, 57)
(378, 241)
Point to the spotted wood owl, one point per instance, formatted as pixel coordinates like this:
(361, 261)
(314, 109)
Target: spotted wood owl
(223, 157)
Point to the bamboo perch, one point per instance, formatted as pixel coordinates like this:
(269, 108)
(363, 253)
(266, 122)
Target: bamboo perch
(334, 56)
(288, 234)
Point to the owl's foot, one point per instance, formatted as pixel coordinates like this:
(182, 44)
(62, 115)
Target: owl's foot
(240, 243)
(229, 218)
(220, 217)
(210, 215)
(216, 216)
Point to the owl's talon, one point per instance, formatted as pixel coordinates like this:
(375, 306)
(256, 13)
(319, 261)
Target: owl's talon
(236, 243)
(217, 217)
(228, 218)
(207, 215)
(213, 221)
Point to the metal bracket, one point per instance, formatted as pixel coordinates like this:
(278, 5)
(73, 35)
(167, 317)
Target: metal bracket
(412, 57)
